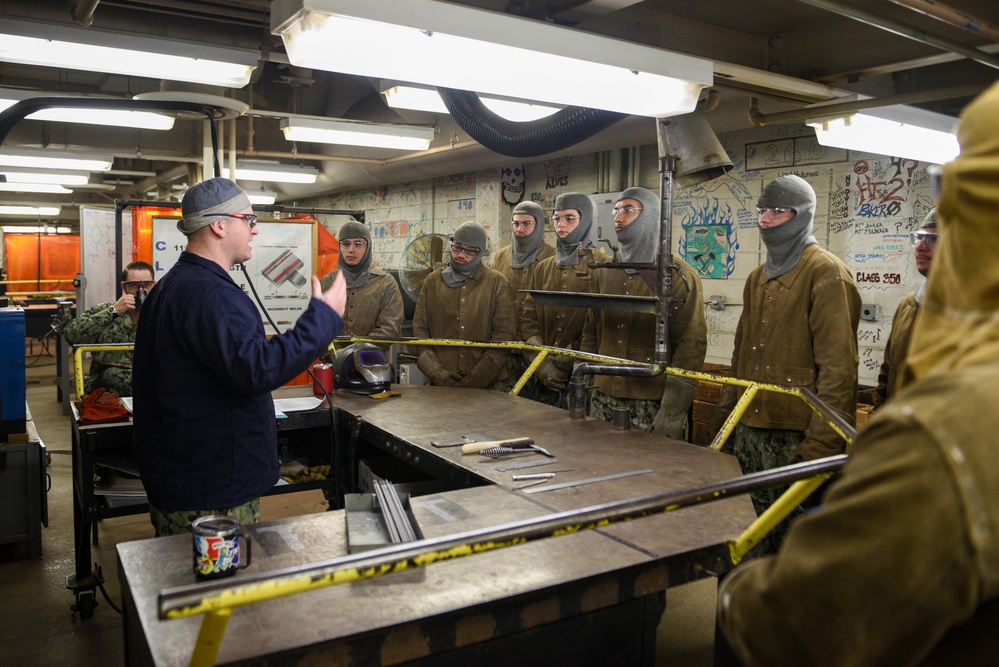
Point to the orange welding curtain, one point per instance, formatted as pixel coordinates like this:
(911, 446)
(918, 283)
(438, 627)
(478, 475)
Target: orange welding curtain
(51, 260)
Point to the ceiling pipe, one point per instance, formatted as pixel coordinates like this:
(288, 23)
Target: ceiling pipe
(761, 119)
(951, 16)
(903, 30)
(82, 12)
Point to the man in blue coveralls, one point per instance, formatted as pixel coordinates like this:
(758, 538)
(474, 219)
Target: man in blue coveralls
(205, 437)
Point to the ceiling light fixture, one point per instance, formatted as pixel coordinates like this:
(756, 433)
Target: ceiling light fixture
(28, 210)
(357, 133)
(45, 176)
(426, 98)
(44, 158)
(55, 45)
(25, 229)
(488, 52)
(142, 120)
(261, 197)
(45, 188)
(274, 172)
(898, 131)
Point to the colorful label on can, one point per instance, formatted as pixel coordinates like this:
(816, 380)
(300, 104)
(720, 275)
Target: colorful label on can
(215, 555)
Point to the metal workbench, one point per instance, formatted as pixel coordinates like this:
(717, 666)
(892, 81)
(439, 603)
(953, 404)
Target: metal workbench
(589, 598)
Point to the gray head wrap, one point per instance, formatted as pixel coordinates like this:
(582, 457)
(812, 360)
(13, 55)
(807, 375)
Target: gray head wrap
(216, 195)
(356, 276)
(930, 221)
(565, 248)
(523, 251)
(472, 235)
(640, 239)
(786, 242)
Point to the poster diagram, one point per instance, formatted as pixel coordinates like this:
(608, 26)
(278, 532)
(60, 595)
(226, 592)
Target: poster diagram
(284, 259)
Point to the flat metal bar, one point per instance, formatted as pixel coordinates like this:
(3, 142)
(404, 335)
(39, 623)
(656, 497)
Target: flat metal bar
(591, 480)
(633, 304)
(526, 464)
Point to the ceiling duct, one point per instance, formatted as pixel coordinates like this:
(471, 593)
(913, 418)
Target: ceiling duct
(555, 133)
(688, 138)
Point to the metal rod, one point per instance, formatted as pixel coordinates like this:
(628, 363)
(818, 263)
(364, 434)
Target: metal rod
(249, 588)
(664, 258)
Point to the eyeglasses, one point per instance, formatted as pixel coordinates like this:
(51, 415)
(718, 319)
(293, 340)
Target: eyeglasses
(627, 210)
(929, 239)
(139, 284)
(776, 210)
(526, 223)
(249, 218)
(457, 249)
(358, 243)
(567, 219)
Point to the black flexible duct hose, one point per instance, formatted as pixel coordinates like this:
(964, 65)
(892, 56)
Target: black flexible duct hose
(537, 137)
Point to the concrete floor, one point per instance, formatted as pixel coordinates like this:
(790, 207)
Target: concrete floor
(38, 628)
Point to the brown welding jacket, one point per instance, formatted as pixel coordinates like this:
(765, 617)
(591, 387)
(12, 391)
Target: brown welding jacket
(799, 330)
(560, 326)
(896, 349)
(375, 309)
(629, 335)
(480, 309)
(520, 279)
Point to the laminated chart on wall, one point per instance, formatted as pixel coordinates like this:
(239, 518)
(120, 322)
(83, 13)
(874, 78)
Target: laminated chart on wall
(282, 266)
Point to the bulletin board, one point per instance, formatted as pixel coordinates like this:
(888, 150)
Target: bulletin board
(281, 269)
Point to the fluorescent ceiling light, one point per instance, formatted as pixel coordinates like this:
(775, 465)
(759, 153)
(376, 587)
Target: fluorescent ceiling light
(455, 46)
(47, 176)
(45, 188)
(274, 172)
(24, 210)
(55, 45)
(44, 158)
(261, 197)
(142, 120)
(424, 98)
(357, 133)
(898, 131)
(24, 229)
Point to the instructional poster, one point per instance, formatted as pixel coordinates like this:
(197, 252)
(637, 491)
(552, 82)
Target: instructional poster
(281, 269)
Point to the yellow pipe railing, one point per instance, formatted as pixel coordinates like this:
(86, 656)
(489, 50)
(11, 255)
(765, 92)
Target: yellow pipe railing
(78, 351)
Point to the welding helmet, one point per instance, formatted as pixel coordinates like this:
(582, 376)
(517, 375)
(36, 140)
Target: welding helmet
(362, 369)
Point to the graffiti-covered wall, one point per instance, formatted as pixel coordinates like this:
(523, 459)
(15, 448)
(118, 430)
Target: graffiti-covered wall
(867, 205)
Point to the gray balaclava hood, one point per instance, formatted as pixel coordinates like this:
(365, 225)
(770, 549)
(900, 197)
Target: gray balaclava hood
(930, 223)
(640, 239)
(523, 251)
(786, 242)
(472, 235)
(356, 276)
(565, 248)
(205, 200)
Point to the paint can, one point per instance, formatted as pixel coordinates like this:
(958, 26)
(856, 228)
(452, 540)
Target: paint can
(219, 547)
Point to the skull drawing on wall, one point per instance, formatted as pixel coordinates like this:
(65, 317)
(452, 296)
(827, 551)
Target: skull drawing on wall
(513, 181)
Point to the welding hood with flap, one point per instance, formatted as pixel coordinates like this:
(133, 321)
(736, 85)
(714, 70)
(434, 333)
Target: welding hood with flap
(362, 369)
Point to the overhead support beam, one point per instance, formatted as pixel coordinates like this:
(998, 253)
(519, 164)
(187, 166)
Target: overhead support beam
(903, 30)
(860, 105)
(891, 68)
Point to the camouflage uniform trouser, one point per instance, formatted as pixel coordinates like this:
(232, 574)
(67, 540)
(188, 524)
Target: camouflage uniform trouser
(641, 411)
(179, 523)
(112, 378)
(760, 449)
